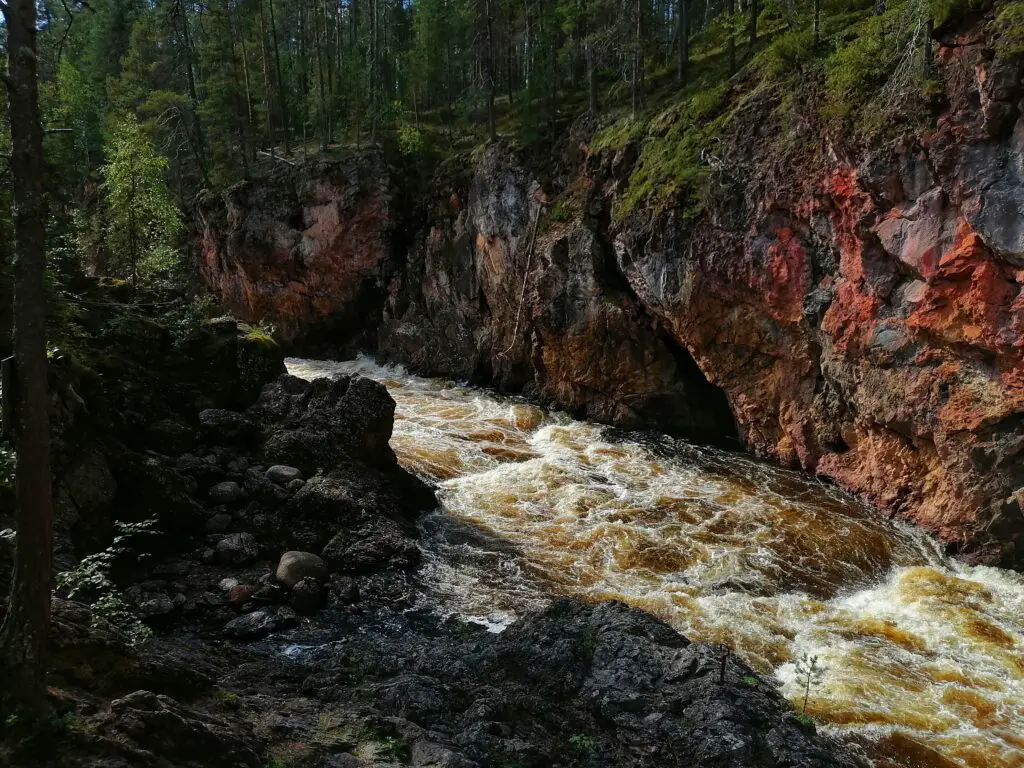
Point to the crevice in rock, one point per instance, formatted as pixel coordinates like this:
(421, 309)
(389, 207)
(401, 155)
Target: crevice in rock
(711, 414)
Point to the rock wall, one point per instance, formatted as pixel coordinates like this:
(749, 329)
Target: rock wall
(307, 248)
(864, 321)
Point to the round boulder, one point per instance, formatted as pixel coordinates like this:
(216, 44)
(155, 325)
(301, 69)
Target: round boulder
(227, 492)
(283, 474)
(308, 596)
(296, 566)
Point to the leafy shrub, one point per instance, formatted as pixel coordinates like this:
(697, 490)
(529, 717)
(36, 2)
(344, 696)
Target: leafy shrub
(410, 140)
(91, 578)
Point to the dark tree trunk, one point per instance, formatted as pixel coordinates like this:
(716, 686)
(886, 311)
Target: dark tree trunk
(23, 637)
(731, 10)
(280, 79)
(755, 9)
(683, 24)
(817, 22)
(488, 60)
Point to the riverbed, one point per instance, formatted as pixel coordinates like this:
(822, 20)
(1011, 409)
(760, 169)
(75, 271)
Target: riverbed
(923, 657)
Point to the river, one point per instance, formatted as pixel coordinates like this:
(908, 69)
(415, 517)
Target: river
(923, 656)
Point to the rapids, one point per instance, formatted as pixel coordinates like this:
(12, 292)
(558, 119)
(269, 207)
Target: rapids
(923, 656)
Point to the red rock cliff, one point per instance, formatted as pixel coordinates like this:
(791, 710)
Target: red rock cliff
(863, 320)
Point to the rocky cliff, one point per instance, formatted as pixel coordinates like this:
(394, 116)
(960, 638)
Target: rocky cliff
(859, 314)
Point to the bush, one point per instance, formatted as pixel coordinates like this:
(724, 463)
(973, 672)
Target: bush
(410, 140)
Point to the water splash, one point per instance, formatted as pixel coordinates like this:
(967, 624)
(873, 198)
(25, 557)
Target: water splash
(924, 656)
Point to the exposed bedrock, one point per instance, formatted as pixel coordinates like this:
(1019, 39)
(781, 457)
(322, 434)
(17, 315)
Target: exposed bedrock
(863, 320)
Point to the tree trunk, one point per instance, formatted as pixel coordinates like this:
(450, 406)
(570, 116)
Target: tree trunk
(637, 59)
(755, 9)
(731, 10)
(267, 86)
(683, 30)
(282, 102)
(929, 30)
(492, 127)
(23, 637)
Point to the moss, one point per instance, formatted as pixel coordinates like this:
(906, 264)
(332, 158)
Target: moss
(671, 162)
(1009, 25)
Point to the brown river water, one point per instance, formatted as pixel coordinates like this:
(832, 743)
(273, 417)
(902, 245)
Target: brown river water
(923, 656)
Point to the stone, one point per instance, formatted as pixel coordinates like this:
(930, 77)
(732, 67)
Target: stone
(308, 596)
(260, 623)
(346, 589)
(295, 566)
(295, 485)
(283, 474)
(218, 523)
(239, 595)
(154, 606)
(227, 492)
(222, 426)
(237, 549)
(176, 732)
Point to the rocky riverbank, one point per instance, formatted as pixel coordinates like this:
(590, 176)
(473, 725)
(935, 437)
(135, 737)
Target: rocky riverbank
(273, 567)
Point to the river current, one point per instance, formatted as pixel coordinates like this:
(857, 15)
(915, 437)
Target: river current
(923, 656)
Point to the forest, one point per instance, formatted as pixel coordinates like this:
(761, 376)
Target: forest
(625, 319)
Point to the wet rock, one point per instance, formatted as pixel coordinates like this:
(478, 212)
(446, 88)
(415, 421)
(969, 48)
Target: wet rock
(295, 485)
(227, 492)
(296, 566)
(218, 523)
(346, 589)
(270, 594)
(174, 731)
(318, 424)
(238, 595)
(260, 623)
(223, 426)
(155, 606)
(170, 436)
(282, 474)
(374, 544)
(308, 596)
(237, 549)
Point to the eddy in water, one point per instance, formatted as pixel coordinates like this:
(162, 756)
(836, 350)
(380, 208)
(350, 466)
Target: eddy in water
(922, 656)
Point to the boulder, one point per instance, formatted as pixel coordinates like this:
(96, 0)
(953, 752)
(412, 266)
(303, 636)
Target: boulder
(258, 624)
(308, 596)
(175, 732)
(295, 566)
(238, 548)
(283, 474)
(222, 426)
(227, 492)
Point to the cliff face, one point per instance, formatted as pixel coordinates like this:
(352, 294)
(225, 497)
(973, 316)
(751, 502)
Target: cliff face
(305, 250)
(864, 321)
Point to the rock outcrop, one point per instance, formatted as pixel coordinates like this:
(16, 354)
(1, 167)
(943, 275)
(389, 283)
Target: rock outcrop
(308, 250)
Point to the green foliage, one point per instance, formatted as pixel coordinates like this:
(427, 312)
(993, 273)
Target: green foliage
(410, 140)
(809, 673)
(786, 54)
(750, 680)
(91, 579)
(263, 333)
(143, 220)
(1009, 29)
(856, 70)
(581, 742)
(393, 748)
(805, 722)
(676, 157)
